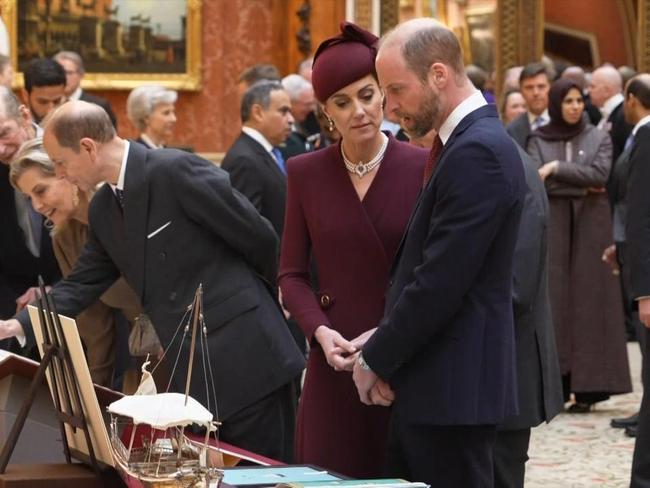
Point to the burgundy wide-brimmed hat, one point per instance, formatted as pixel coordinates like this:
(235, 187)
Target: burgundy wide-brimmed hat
(342, 60)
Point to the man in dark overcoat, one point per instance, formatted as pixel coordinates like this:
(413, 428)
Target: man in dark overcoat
(168, 221)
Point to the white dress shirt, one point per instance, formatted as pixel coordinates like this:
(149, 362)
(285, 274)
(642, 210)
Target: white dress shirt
(120, 178)
(544, 116)
(259, 137)
(608, 107)
(75, 95)
(645, 120)
(475, 101)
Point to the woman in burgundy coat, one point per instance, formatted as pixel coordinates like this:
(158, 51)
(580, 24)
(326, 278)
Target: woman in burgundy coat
(347, 207)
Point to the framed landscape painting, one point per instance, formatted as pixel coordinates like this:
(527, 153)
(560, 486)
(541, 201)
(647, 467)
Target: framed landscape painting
(124, 43)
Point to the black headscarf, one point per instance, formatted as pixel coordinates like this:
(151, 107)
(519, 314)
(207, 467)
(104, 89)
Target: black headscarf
(558, 129)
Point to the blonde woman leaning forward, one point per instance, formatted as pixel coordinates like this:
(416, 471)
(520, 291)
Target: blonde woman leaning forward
(66, 209)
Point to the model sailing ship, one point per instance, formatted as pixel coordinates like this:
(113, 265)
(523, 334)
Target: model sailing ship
(167, 457)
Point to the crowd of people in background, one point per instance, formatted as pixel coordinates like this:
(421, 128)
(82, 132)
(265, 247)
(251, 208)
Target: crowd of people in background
(351, 177)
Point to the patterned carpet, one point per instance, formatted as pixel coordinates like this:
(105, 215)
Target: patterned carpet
(582, 450)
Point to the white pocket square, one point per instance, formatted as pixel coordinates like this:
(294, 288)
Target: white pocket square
(159, 229)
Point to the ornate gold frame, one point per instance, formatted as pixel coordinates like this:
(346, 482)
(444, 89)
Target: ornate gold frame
(643, 41)
(520, 34)
(578, 34)
(190, 80)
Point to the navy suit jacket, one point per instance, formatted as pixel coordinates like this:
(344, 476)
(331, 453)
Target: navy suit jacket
(446, 342)
(255, 173)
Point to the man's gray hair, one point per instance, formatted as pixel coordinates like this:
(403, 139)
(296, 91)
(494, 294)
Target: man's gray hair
(258, 94)
(9, 104)
(86, 120)
(143, 100)
(71, 56)
(294, 85)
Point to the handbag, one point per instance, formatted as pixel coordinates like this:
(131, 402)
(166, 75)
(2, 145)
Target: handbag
(143, 339)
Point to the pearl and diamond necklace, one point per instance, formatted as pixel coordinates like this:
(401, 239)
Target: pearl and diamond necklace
(361, 169)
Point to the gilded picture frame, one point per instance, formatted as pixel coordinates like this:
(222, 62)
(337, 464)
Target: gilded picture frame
(478, 39)
(122, 50)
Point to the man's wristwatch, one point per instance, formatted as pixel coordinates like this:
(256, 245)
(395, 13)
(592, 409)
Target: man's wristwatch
(362, 362)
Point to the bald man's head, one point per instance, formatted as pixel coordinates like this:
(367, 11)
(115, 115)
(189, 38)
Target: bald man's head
(423, 42)
(76, 120)
(605, 82)
(75, 136)
(575, 74)
(637, 98)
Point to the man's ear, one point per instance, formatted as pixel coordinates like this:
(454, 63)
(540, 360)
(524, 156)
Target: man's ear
(88, 145)
(257, 112)
(438, 75)
(25, 116)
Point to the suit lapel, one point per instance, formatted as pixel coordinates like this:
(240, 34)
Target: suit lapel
(468, 120)
(267, 159)
(136, 210)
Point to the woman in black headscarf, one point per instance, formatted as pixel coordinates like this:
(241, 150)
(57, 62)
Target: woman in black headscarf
(574, 160)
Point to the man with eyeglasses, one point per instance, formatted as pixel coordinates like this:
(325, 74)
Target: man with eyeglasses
(25, 246)
(74, 73)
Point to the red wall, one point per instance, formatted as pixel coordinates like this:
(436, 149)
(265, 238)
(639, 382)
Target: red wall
(236, 34)
(600, 17)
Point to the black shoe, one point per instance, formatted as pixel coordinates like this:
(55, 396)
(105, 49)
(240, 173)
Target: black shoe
(631, 431)
(622, 422)
(580, 407)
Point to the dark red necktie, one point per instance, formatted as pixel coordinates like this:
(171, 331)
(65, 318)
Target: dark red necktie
(432, 160)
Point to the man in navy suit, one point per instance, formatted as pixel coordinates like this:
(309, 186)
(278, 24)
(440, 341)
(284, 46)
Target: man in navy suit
(446, 343)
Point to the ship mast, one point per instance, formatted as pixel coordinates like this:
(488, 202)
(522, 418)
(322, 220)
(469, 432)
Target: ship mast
(196, 311)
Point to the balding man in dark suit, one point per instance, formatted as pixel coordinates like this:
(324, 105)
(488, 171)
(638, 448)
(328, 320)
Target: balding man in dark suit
(168, 221)
(446, 343)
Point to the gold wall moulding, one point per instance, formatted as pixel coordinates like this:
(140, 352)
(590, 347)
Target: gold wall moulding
(123, 47)
(643, 36)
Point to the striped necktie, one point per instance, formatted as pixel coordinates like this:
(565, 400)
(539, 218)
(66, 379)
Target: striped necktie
(537, 123)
